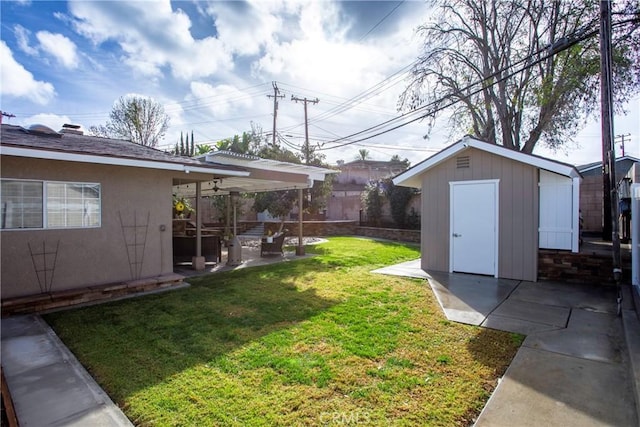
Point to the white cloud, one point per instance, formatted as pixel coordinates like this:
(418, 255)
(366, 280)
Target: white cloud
(22, 37)
(151, 36)
(245, 28)
(219, 100)
(60, 47)
(324, 59)
(19, 82)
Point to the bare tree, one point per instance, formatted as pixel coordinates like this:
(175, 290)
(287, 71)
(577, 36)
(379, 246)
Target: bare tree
(136, 118)
(521, 71)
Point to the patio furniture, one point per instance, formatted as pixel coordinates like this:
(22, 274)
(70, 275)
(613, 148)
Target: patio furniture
(184, 248)
(275, 246)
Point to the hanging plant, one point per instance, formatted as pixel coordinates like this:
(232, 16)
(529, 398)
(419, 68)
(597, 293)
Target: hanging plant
(181, 207)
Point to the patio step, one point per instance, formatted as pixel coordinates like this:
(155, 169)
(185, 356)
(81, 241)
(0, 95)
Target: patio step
(254, 232)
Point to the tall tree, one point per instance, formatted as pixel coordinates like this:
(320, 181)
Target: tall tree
(189, 148)
(552, 41)
(137, 118)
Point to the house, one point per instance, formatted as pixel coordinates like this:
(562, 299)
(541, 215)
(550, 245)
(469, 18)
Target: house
(488, 210)
(592, 186)
(79, 212)
(348, 185)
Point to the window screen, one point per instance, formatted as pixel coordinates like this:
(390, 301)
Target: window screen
(37, 204)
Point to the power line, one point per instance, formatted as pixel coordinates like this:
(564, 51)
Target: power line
(551, 49)
(381, 21)
(374, 90)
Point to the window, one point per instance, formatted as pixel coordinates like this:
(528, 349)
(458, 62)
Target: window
(73, 205)
(21, 204)
(38, 204)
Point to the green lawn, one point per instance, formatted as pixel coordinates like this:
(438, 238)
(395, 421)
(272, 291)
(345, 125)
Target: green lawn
(319, 341)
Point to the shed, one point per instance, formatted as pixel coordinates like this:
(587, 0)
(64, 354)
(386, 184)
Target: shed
(487, 209)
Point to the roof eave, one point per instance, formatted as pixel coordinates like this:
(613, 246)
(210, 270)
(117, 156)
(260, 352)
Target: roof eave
(410, 177)
(115, 161)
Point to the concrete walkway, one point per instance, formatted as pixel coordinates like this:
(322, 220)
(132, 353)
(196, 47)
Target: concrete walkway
(573, 368)
(48, 385)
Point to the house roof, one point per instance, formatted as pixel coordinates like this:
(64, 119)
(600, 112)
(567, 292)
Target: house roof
(411, 177)
(597, 165)
(36, 143)
(228, 171)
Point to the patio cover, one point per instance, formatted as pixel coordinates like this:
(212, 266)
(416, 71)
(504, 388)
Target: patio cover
(263, 175)
(259, 175)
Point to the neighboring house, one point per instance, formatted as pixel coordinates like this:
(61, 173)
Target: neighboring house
(591, 194)
(80, 211)
(487, 209)
(344, 202)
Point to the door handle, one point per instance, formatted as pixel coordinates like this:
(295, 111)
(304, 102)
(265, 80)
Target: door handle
(457, 235)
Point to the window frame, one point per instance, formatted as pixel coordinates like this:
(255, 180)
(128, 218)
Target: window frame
(45, 207)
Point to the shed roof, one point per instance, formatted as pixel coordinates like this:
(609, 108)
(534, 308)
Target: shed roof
(411, 177)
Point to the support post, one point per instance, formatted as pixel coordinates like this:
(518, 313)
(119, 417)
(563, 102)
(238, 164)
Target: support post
(300, 248)
(227, 226)
(198, 262)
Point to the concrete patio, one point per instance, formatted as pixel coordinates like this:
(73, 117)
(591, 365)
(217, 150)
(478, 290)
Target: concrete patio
(574, 367)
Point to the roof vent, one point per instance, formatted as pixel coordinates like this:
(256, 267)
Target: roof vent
(43, 130)
(463, 162)
(74, 129)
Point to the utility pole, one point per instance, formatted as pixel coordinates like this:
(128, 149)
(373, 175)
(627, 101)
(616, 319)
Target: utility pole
(4, 114)
(275, 96)
(307, 155)
(621, 138)
(307, 148)
(608, 153)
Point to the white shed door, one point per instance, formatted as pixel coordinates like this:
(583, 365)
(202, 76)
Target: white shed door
(556, 211)
(474, 227)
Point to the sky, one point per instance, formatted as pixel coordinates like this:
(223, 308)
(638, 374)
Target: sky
(213, 65)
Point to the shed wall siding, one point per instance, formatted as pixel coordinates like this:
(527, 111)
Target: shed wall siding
(518, 212)
(92, 256)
